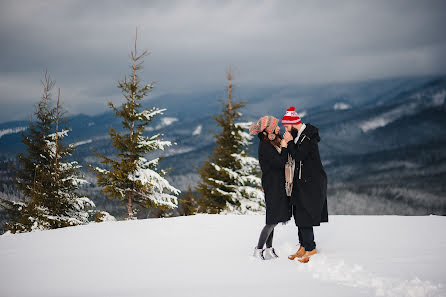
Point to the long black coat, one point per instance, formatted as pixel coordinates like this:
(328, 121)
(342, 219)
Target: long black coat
(272, 163)
(310, 180)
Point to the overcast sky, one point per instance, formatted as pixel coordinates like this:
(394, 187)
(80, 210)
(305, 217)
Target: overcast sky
(85, 45)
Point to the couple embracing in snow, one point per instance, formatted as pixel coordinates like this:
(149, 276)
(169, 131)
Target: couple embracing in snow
(293, 180)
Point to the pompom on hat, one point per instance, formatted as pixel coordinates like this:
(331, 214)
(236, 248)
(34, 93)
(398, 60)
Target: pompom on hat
(291, 117)
(267, 124)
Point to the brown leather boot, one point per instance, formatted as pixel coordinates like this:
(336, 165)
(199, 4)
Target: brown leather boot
(300, 252)
(306, 257)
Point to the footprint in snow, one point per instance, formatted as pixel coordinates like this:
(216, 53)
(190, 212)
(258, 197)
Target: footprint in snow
(323, 268)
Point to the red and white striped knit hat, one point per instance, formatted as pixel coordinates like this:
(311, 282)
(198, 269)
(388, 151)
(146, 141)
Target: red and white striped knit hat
(291, 117)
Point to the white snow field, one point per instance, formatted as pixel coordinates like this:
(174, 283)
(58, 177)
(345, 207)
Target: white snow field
(210, 255)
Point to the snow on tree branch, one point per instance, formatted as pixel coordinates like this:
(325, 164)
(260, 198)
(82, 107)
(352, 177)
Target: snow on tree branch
(147, 115)
(153, 142)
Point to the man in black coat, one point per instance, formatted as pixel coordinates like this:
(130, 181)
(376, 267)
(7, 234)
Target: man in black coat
(309, 195)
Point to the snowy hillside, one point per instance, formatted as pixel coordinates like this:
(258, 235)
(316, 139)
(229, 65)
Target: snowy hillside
(209, 255)
(383, 141)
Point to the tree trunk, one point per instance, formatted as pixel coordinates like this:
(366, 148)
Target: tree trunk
(130, 202)
(130, 206)
(56, 165)
(230, 76)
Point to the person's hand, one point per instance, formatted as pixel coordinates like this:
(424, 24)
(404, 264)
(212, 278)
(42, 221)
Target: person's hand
(287, 136)
(283, 143)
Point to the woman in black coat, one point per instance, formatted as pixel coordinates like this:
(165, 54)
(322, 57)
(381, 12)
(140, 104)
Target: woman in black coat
(272, 158)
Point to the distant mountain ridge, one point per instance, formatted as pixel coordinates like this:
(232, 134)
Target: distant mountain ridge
(370, 134)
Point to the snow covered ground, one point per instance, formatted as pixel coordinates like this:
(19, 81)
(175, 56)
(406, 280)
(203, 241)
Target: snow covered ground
(209, 255)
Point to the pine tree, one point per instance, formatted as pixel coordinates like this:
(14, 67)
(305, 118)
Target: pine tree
(70, 208)
(246, 187)
(229, 179)
(130, 177)
(187, 204)
(47, 181)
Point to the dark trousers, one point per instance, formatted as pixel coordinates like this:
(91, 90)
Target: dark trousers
(306, 238)
(266, 236)
(303, 223)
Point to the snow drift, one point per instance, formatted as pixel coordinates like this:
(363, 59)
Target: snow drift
(209, 255)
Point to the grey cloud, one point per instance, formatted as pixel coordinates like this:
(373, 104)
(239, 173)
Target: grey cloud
(85, 44)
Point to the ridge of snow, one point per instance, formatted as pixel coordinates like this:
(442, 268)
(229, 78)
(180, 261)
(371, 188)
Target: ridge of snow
(439, 98)
(197, 130)
(12, 131)
(82, 142)
(178, 150)
(420, 101)
(341, 106)
(166, 121)
(388, 117)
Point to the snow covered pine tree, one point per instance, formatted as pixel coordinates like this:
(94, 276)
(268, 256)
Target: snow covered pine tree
(47, 181)
(230, 179)
(247, 182)
(132, 178)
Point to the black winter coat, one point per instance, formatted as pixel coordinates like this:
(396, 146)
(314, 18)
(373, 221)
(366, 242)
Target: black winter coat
(310, 180)
(272, 163)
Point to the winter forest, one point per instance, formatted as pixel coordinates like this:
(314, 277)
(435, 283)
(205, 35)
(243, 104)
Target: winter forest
(49, 181)
(134, 172)
(127, 166)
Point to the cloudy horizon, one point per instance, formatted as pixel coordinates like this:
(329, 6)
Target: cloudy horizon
(85, 45)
